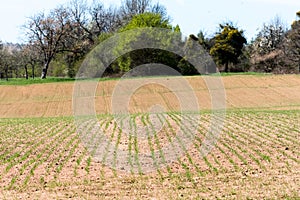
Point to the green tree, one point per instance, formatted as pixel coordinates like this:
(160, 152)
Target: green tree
(228, 45)
(146, 55)
(204, 41)
(148, 20)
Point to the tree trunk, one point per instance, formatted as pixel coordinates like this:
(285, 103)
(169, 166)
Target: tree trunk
(226, 67)
(26, 72)
(6, 73)
(33, 74)
(17, 72)
(44, 70)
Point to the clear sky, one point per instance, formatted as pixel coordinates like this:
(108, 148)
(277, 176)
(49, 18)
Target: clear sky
(191, 15)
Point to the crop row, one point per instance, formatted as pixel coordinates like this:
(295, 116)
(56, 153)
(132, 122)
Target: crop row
(41, 151)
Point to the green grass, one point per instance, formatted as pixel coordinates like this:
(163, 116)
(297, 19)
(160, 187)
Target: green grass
(23, 81)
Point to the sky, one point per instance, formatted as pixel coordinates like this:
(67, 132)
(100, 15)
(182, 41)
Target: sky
(191, 15)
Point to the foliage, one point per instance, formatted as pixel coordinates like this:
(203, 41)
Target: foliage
(228, 45)
(186, 68)
(72, 30)
(204, 41)
(147, 20)
(145, 55)
(61, 39)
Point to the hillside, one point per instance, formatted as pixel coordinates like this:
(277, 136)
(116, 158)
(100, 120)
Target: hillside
(148, 155)
(242, 92)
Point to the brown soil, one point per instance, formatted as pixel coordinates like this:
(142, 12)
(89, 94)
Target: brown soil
(256, 157)
(46, 100)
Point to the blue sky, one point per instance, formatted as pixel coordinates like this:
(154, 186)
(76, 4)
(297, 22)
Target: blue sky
(191, 15)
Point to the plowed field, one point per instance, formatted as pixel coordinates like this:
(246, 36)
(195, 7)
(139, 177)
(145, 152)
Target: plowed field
(257, 155)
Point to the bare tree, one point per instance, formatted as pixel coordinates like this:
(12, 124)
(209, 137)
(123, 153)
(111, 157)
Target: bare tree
(80, 37)
(47, 33)
(130, 8)
(105, 20)
(160, 9)
(79, 15)
(270, 36)
(93, 20)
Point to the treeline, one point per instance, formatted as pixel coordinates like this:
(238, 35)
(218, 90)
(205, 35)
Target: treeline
(58, 42)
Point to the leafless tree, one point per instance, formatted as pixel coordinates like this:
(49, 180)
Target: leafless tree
(270, 36)
(129, 8)
(104, 20)
(79, 16)
(48, 33)
(93, 20)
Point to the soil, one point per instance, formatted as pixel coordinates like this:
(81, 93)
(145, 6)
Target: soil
(54, 100)
(257, 156)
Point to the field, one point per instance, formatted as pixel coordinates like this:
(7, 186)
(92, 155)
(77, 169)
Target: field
(257, 156)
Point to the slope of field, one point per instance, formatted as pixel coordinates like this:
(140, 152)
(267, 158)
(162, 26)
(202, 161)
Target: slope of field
(257, 156)
(52, 99)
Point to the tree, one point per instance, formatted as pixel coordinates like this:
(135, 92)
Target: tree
(146, 55)
(104, 20)
(291, 45)
(18, 62)
(29, 57)
(78, 11)
(130, 8)
(228, 45)
(270, 36)
(47, 34)
(86, 23)
(204, 41)
(274, 47)
(5, 62)
(148, 20)
(1, 60)
(80, 37)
